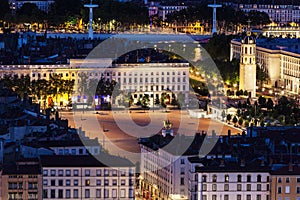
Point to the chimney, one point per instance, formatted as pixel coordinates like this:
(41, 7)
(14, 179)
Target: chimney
(291, 167)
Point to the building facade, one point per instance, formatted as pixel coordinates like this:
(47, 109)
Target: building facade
(279, 57)
(138, 79)
(163, 11)
(282, 14)
(222, 180)
(21, 181)
(84, 177)
(285, 183)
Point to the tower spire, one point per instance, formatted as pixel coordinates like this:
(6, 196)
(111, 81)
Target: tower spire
(249, 28)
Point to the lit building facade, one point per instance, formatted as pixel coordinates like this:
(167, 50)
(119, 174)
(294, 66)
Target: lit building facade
(84, 177)
(163, 11)
(282, 14)
(279, 57)
(138, 79)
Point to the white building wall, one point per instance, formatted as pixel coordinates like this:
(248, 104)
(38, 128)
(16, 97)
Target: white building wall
(100, 183)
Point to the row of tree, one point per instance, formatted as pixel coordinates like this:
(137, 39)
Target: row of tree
(39, 89)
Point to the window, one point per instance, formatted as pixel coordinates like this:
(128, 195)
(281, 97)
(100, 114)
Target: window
(298, 190)
(73, 151)
(75, 172)
(214, 187)
(87, 193)
(204, 187)
(114, 172)
(68, 172)
(106, 194)
(182, 161)
(45, 182)
(114, 193)
(130, 193)
(114, 182)
(279, 180)
(75, 193)
(106, 182)
(98, 172)
(52, 172)
(182, 170)
(45, 172)
(259, 178)
(204, 178)
(98, 182)
(122, 193)
(298, 180)
(98, 193)
(68, 182)
(238, 197)
(106, 172)
(181, 181)
(60, 182)
(287, 180)
(214, 178)
(87, 182)
(68, 193)
(60, 194)
(75, 182)
(239, 187)
(239, 178)
(248, 197)
(279, 190)
(52, 195)
(287, 189)
(123, 182)
(226, 187)
(226, 197)
(60, 172)
(248, 178)
(258, 197)
(87, 172)
(248, 187)
(214, 197)
(45, 194)
(226, 178)
(52, 182)
(258, 187)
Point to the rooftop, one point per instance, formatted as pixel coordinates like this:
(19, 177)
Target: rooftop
(85, 161)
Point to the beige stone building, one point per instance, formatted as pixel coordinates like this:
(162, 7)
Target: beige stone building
(21, 181)
(285, 183)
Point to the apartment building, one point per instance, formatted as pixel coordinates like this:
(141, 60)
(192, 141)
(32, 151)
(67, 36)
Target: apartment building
(85, 177)
(22, 180)
(224, 179)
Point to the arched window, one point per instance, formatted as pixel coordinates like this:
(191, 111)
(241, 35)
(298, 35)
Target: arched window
(214, 178)
(226, 178)
(250, 50)
(239, 178)
(246, 50)
(258, 178)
